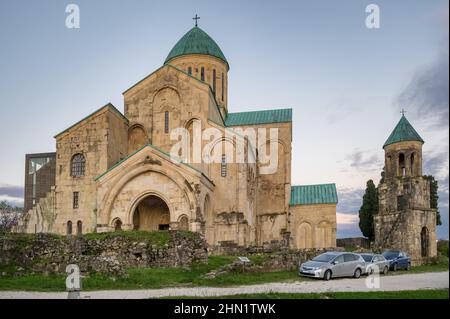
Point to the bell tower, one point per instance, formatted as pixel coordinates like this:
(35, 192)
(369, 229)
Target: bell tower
(405, 220)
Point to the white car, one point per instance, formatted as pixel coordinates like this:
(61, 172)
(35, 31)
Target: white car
(375, 263)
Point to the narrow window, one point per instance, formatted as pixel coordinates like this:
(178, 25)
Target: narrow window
(412, 164)
(223, 86)
(190, 70)
(401, 165)
(79, 227)
(202, 74)
(69, 228)
(166, 122)
(75, 199)
(223, 166)
(214, 82)
(78, 166)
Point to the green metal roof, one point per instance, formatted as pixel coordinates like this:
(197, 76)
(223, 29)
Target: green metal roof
(259, 117)
(313, 194)
(196, 41)
(403, 132)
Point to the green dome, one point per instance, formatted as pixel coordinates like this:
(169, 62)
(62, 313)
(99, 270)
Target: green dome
(196, 41)
(403, 132)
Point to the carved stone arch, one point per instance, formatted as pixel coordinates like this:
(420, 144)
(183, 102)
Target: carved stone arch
(116, 224)
(141, 196)
(163, 89)
(324, 234)
(133, 172)
(183, 222)
(137, 137)
(305, 233)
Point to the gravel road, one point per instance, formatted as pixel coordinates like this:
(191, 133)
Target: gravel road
(433, 280)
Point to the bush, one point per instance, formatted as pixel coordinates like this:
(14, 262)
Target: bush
(442, 247)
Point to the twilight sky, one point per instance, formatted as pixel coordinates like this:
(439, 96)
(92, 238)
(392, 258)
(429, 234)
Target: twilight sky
(345, 83)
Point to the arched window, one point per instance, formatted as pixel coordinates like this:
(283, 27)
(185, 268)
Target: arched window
(183, 223)
(223, 166)
(202, 74)
(166, 122)
(190, 70)
(223, 86)
(214, 81)
(78, 165)
(69, 228)
(79, 227)
(412, 164)
(117, 225)
(401, 164)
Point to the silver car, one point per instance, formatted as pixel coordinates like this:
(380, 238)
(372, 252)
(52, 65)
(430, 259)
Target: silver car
(333, 264)
(375, 263)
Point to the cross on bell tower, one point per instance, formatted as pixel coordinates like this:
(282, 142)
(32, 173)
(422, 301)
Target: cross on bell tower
(196, 18)
(403, 112)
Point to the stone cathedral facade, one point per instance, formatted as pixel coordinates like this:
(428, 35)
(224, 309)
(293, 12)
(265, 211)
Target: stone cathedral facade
(114, 171)
(405, 219)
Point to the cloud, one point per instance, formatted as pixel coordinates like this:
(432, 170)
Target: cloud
(13, 201)
(426, 95)
(364, 160)
(350, 200)
(10, 190)
(13, 195)
(347, 219)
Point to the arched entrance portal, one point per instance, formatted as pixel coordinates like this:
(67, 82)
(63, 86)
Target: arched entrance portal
(151, 214)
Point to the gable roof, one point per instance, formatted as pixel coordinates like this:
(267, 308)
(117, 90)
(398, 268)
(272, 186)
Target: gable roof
(137, 151)
(403, 131)
(109, 105)
(313, 194)
(259, 117)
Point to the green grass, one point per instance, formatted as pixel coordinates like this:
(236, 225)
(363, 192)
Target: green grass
(441, 264)
(153, 278)
(408, 294)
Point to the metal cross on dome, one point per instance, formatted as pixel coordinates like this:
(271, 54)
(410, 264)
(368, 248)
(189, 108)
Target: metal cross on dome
(196, 18)
(403, 112)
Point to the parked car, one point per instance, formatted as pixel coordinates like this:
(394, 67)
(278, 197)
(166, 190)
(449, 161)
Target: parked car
(397, 259)
(333, 264)
(374, 261)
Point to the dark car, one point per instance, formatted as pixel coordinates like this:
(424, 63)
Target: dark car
(397, 259)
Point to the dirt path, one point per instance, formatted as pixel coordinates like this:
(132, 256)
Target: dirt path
(433, 280)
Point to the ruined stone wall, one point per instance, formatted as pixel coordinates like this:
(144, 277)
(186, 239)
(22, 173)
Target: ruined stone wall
(111, 253)
(404, 212)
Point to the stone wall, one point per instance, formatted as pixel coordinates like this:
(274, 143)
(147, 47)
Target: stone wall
(273, 257)
(105, 253)
(360, 242)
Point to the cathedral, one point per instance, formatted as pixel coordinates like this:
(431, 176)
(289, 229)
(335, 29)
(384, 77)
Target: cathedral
(115, 171)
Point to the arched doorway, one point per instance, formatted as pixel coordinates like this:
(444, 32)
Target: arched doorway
(151, 214)
(424, 242)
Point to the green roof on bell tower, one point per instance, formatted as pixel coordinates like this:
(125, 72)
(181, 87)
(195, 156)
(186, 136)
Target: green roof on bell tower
(196, 41)
(403, 132)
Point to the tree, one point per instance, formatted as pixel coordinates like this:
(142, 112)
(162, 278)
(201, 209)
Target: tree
(368, 209)
(434, 197)
(9, 216)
